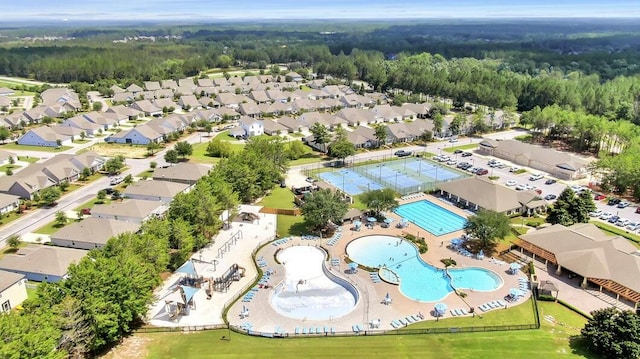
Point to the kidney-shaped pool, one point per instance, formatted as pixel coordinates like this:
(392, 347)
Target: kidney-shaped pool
(308, 290)
(418, 280)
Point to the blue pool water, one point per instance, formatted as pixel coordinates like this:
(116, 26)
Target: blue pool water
(418, 280)
(431, 217)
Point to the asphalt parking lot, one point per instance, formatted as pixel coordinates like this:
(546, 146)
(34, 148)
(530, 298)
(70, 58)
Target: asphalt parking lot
(505, 176)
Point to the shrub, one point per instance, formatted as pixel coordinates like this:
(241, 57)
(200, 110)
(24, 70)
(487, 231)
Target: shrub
(448, 262)
(533, 224)
(546, 298)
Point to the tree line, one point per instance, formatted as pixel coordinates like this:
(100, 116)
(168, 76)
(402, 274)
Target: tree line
(108, 293)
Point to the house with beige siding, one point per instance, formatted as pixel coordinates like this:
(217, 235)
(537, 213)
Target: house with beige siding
(13, 290)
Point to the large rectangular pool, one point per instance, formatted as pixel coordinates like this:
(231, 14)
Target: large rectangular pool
(431, 217)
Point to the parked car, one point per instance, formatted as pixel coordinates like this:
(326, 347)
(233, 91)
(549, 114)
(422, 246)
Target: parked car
(638, 210)
(466, 154)
(613, 219)
(514, 169)
(599, 197)
(622, 222)
(501, 166)
(550, 197)
(86, 211)
(535, 177)
(453, 139)
(632, 226)
(402, 153)
(310, 179)
(606, 215)
(115, 180)
(623, 204)
(108, 190)
(457, 152)
(614, 201)
(538, 191)
(529, 187)
(511, 183)
(482, 172)
(520, 187)
(597, 213)
(550, 181)
(452, 162)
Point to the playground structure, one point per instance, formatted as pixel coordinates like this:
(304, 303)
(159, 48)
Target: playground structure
(222, 283)
(226, 246)
(180, 301)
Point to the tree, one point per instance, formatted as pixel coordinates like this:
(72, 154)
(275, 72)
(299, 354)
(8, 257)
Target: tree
(485, 229)
(171, 156)
(49, 195)
(102, 194)
(76, 330)
(321, 135)
(426, 136)
(13, 242)
(183, 149)
(128, 179)
(378, 201)
(153, 147)
(64, 186)
(84, 175)
(61, 219)
(218, 149)
(208, 128)
(5, 134)
(381, 134)
(341, 148)
(296, 150)
(153, 165)
(114, 165)
(323, 207)
(613, 333)
(97, 106)
(570, 208)
(9, 172)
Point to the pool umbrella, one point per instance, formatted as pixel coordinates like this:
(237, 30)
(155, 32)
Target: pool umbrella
(440, 308)
(357, 223)
(388, 220)
(457, 241)
(387, 298)
(515, 292)
(372, 219)
(353, 266)
(514, 267)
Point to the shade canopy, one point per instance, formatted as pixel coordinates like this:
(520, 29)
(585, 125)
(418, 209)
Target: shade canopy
(357, 223)
(372, 219)
(515, 292)
(189, 292)
(187, 268)
(457, 241)
(353, 265)
(388, 220)
(514, 266)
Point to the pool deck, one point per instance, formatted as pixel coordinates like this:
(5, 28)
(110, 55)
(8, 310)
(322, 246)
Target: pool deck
(370, 307)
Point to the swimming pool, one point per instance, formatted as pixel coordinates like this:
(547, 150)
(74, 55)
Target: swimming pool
(418, 280)
(308, 290)
(431, 217)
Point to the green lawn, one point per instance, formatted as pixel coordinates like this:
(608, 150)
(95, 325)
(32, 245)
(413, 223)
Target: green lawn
(199, 155)
(617, 231)
(8, 218)
(461, 147)
(4, 168)
(278, 198)
(50, 228)
(14, 146)
(291, 226)
(92, 203)
(29, 159)
(551, 341)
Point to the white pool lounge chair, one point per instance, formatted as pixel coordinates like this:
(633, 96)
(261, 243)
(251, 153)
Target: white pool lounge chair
(454, 312)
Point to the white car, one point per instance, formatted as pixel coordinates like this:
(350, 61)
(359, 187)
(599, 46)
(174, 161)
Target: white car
(622, 222)
(606, 215)
(596, 213)
(520, 187)
(452, 162)
(536, 177)
(511, 183)
(514, 169)
(633, 226)
(529, 187)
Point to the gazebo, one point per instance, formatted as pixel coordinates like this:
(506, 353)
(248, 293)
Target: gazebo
(547, 287)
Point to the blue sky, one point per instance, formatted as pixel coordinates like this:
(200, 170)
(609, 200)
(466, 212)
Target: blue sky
(301, 9)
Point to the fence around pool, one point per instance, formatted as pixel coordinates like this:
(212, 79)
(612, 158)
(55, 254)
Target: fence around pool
(408, 175)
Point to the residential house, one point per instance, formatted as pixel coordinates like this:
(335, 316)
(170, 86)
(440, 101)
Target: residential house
(139, 135)
(45, 136)
(250, 109)
(163, 93)
(558, 164)
(388, 113)
(229, 100)
(294, 76)
(220, 82)
(105, 120)
(367, 133)
(15, 120)
(333, 91)
(357, 116)
(63, 96)
(8, 203)
(130, 210)
(152, 85)
(128, 97)
(293, 125)
(146, 107)
(26, 183)
(205, 82)
(184, 172)
(187, 83)
(116, 89)
(251, 126)
(189, 101)
(169, 84)
(120, 110)
(422, 110)
(478, 193)
(152, 190)
(260, 97)
(600, 260)
(134, 89)
(91, 233)
(5, 157)
(42, 263)
(166, 104)
(273, 128)
(6, 91)
(400, 132)
(13, 290)
(278, 95)
(84, 125)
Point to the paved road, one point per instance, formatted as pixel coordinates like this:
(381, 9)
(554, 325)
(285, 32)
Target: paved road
(26, 81)
(40, 217)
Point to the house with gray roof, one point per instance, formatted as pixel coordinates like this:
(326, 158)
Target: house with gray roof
(117, 89)
(272, 127)
(123, 97)
(205, 82)
(81, 123)
(124, 111)
(146, 107)
(357, 116)
(40, 263)
(477, 193)
(260, 97)
(184, 172)
(8, 203)
(45, 136)
(169, 84)
(558, 164)
(250, 109)
(130, 210)
(61, 96)
(13, 290)
(152, 85)
(139, 135)
(153, 190)
(135, 89)
(166, 103)
(91, 233)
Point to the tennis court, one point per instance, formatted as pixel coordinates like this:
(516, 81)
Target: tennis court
(407, 175)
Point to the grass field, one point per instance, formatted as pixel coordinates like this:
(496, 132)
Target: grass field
(291, 226)
(461, 147)
(553, 340)
(278, 198)
(14, 146)
(29, 159)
